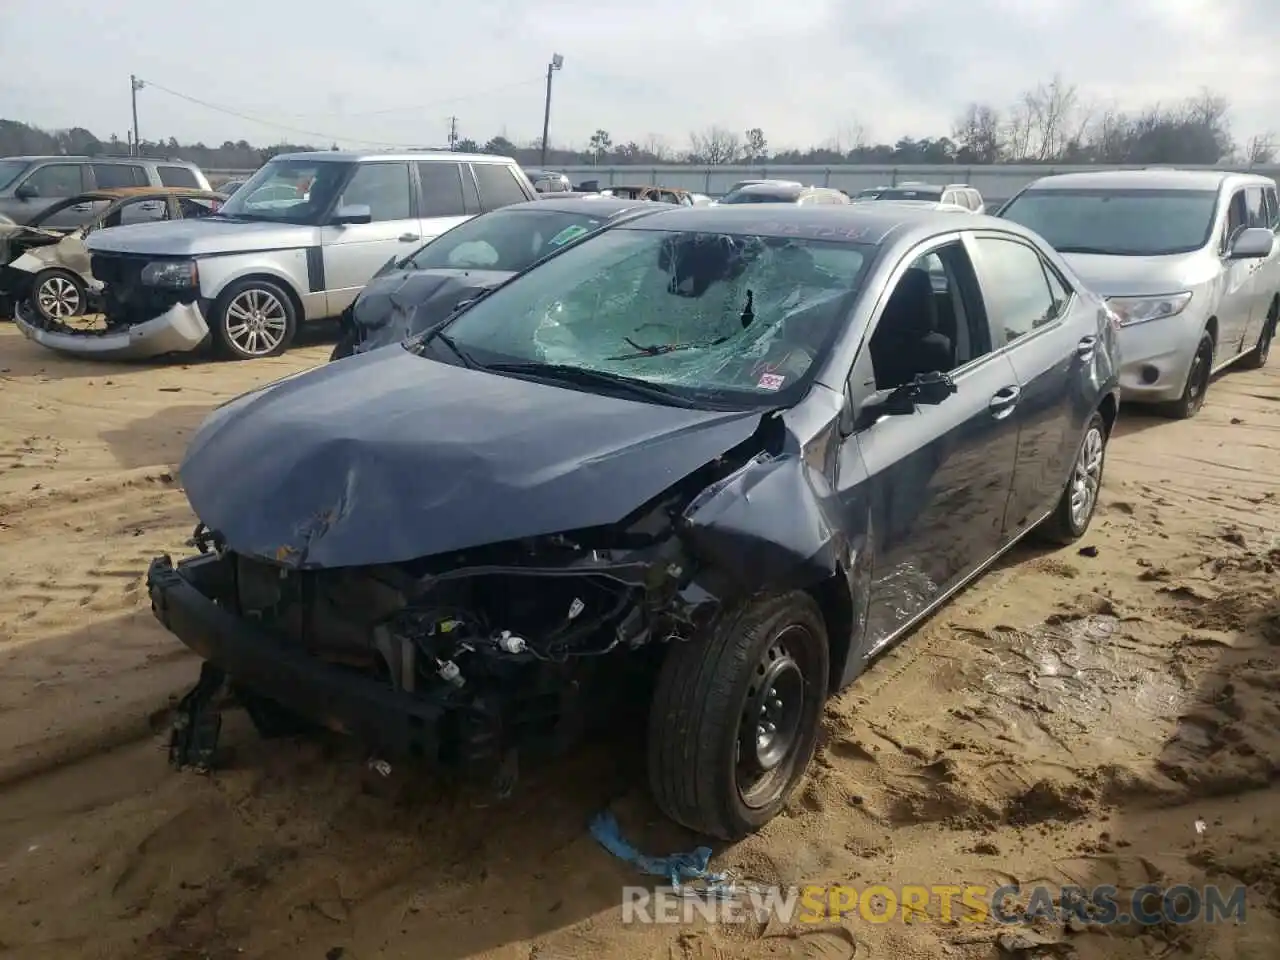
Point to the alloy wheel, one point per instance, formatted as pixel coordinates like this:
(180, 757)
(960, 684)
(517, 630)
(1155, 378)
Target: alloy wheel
(1086, 477)
(58, 298)
(256, 322)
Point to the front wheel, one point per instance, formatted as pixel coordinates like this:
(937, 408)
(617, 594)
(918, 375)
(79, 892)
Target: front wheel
(58, 295)
(254, 318)
(735, 716)
(1070, 518)
(1198, 377)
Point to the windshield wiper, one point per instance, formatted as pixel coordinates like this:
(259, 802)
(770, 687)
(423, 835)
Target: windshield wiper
(1100, 251)
(566, 373)
(439, 334)
(659, 349)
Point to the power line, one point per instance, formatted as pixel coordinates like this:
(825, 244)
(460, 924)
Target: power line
(276, 125)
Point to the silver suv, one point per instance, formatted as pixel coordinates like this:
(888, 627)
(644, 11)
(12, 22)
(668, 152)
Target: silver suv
(29, 185)
(297, 242)
(1187, 260)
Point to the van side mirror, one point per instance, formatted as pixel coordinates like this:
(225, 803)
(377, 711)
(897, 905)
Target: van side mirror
(926, 390)
(1252, 243)
(27, 191)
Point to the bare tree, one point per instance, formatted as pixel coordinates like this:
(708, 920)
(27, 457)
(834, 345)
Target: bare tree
(756, 147)
(977, 131)
(850, 137)
(714, 146)
(656, 146)
(1051, 110)
(1260, 149)
(1018, 125)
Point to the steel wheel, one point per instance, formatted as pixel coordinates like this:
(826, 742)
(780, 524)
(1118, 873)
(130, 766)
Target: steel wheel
(256, 322)
(1086, 476)
(768, 731)
(58, 298)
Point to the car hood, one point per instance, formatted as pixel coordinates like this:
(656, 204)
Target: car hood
(389, 456)
(200, 235)
(398, 304)
(1139, 276)
(15, 237)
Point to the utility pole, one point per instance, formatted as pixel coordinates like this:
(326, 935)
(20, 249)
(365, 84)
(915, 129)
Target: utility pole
(453, 133)
(557, 62)
(135, 85)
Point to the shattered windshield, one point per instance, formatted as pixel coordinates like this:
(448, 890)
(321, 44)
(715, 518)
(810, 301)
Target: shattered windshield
(506, 240)
(287, 191)
(10, 170)
(714, 316)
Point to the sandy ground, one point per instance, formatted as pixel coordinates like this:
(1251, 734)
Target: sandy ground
(1067, 719)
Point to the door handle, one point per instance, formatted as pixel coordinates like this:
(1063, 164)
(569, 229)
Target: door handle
(1086, 346)
(1003, 401)
(81, 207)
(407, 237)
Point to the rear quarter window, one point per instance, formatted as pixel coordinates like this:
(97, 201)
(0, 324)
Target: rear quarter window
(178, 177)
(498, 185)
(110, 176)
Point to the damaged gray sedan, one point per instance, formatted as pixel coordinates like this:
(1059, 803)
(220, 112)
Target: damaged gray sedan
(745, 448)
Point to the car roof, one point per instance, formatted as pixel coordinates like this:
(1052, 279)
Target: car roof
(773, 188)
(90, 158)
(1149, 179)
(588, 204)
(872, 223)
(358, 156)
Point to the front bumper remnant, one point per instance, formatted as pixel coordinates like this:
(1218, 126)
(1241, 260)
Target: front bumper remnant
(180, 329)
(390, 721)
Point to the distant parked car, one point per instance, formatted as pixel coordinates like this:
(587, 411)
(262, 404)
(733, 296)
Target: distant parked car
(545, 181)
(49, 269)
(230, 187)
(959, 194)
(650, 192)
(29, 185)
(297, 242)
(745, 448)
(773, 192)
(1187, 259)
(411, 295)
(750, 183)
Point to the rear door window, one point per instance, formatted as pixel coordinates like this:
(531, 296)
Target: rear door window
(172, 176)
(1015, 289)
(441, 185)
(1273, 210)
(498, 186)
(113, 176)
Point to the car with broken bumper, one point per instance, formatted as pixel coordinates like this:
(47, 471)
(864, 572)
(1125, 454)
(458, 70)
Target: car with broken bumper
(744, 448)
(411, 295)
(47, 270)
(296, 243)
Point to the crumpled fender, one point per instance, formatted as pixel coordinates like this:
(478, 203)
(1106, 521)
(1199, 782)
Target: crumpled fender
(770, 522)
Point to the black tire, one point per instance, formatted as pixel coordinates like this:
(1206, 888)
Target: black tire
(263, 306)
(1257, 358)
(705, 704)
(1067, 524)
(61, 288)
(1198, 377)
(345, 347)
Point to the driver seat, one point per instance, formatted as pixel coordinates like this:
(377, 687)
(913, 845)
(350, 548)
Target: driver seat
(907, 341)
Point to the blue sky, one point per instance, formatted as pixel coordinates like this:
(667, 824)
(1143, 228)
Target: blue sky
(805, 71)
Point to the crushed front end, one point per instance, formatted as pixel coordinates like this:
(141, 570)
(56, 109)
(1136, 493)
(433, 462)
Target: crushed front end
(150, 307)
(461, 662)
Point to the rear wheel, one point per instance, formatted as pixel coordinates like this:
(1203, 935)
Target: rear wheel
(254, 318)
(58, 295)
(735, 716)
(1257, 358)
(1193, 394)
(1075, 509)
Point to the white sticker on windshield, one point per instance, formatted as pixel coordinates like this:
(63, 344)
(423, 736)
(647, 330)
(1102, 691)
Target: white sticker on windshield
(567, 234)
(771, 381)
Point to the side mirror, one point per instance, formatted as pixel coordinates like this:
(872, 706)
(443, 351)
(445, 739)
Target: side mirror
(1252, 243)
(27, 191)
(352, 213)
(927, 390)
